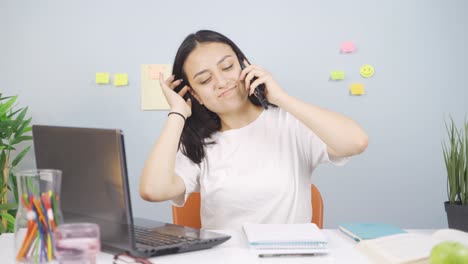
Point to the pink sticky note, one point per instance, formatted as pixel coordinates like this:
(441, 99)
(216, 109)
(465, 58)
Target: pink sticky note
(154, 70)
(347, 47)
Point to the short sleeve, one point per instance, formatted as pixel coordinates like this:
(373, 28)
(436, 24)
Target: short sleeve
(190, 174)
(313, 149)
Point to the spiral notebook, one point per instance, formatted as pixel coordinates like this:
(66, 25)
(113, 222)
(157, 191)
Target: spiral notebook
(285, 236)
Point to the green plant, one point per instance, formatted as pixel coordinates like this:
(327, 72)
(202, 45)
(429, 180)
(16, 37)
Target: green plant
(13, 129)
(456, 163)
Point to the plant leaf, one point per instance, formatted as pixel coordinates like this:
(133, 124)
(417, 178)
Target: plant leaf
(4, 98)
(465, 202)
(27, 129)
(6, 106)
(14, 185)
(20, 121)
(5, 127)
(8, 206)
(11, 227)
(20, 156)
(451, 159)
(2, 161)
(8, 217)
(20, 139)
(22, 128)
(9, 116)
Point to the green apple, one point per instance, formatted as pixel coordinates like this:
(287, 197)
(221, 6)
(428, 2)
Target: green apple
(449, 252)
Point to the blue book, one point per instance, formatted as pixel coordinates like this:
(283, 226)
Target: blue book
(363, 231)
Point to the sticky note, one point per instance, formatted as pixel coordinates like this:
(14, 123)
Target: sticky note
(367, 71)
(102, 77)
(120, 79)
(347, 47)
(152, 96)
(155, 69)
(337, 75)
(356, 89)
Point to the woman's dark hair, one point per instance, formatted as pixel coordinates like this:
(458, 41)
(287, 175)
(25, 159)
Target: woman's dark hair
(203, 122)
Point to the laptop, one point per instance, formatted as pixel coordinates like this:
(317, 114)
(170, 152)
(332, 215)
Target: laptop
(95, 189)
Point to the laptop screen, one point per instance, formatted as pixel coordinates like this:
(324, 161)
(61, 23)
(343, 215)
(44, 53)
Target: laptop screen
(94, 180)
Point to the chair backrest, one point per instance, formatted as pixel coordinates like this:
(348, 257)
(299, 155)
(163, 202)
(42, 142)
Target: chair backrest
(317, 206)
(189, 214)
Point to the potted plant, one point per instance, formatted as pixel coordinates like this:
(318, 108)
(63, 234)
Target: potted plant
(13, 130)
(456, 162)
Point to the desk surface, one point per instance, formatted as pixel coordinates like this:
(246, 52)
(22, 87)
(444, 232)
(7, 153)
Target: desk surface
(235, 250)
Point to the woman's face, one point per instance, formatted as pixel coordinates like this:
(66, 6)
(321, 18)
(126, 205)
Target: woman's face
(213, 72)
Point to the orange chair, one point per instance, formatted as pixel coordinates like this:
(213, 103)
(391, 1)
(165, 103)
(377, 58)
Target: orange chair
(189, 214)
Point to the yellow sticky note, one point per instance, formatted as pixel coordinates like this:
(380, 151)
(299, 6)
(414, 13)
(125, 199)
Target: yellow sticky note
(337, 75)
(120, 79)
(102, 77)
(356, 89)
(152, 96)
(367, 71)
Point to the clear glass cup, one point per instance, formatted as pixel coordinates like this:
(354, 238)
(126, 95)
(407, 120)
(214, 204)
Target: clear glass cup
(77, 243)
(39, 213)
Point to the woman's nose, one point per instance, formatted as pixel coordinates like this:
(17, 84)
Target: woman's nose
(221, 81)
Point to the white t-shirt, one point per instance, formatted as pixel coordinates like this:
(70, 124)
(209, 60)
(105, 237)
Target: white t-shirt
(259, 173)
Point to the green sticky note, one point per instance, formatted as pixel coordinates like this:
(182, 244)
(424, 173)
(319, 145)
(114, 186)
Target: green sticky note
(337, 75)
(120, 79)
(102, 77)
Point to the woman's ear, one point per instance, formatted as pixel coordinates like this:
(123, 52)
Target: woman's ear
(194, 94)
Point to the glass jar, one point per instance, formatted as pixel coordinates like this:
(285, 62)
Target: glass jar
(39, 214)
(77, 243)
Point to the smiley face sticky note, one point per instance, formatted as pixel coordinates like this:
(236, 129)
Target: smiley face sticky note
(356, 89)
(347, 47)
(367, 71)
(120, 79)
(102, 77)
(337, 75)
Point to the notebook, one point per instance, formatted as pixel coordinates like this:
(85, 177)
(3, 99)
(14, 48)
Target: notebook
(408, 248)
(363, 231)
(285, 236)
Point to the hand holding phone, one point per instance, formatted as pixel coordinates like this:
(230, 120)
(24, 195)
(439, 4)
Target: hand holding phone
(259, 91)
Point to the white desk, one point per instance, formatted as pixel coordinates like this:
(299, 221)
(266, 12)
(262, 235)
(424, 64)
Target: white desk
(235, 250)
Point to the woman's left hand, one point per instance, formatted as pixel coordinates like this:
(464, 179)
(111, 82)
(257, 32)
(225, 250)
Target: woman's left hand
(273, 90)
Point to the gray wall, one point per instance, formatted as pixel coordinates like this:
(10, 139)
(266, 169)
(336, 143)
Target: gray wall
(50, 51)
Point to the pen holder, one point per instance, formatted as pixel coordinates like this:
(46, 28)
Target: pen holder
(38, 215)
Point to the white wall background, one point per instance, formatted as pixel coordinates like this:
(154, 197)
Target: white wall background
(50, 51)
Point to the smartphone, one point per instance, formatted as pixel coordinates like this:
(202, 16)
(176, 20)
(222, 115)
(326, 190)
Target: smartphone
(259, 91)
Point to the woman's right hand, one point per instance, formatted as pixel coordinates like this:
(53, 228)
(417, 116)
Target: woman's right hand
(176, 100)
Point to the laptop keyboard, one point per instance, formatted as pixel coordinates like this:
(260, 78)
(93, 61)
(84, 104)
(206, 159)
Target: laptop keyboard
(152, 238)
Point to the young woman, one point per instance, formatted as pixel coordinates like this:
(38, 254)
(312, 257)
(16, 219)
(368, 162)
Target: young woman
(250, 164)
